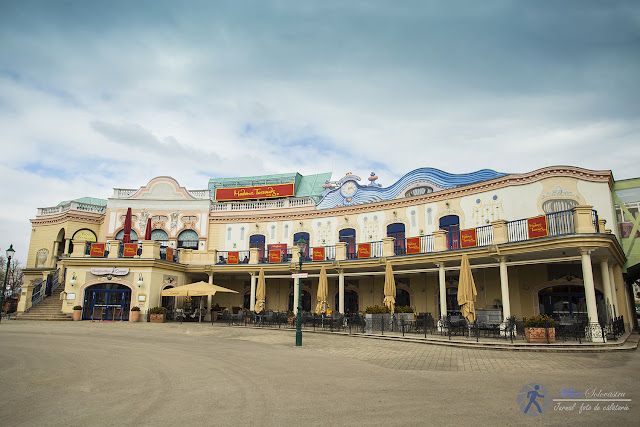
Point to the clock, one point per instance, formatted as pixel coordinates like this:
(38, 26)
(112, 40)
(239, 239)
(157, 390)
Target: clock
(349, 188)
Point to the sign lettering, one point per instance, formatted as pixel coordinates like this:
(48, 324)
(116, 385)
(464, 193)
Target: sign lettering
(169, 254)
(275, 256)
(233, 257)
(112, 271)
(98, 250)
(364, 250)
(468, 238)
(318, 254)
(413, 245)
(129, 250)
(537, 227)
(259, 192)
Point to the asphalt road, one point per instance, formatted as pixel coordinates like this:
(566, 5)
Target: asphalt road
(83, 373)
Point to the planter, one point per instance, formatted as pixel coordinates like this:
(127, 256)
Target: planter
(157, 318)
(134, 316)
(375, 322)
(539, 335)
(77, 315)
(407, 317)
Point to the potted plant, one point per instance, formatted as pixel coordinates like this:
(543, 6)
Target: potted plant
(157, 314)
(77, 313)
(404, 312)
(135, 314)
(539, 329)
(376, 316)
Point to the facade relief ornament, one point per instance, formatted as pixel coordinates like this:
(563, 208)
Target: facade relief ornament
(174, 220)
(41, 258)
(142, 224)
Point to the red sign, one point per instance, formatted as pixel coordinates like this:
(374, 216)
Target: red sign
(233, 257)
(468, 238)
(364, 250)
(318, 254)
(169, 254)
(274, 246)
(98, 249)
(537, 226)
(129, 250)
(413, 245)
(261, 192)
(275, 256)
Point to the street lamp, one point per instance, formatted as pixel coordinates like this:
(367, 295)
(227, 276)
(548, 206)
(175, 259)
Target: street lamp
(301, 245)
(10, 253)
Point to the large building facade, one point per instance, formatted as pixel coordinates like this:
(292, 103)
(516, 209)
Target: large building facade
(543, 242)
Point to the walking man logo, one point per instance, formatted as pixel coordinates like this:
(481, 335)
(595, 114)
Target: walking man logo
(534, 399)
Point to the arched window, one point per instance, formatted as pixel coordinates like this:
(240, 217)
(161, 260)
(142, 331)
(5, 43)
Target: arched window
(188, 239)
(396, 230)
(568, 301)
(306, 301)
(133, 235)
(348, 235)
(403, 298)
(160, 236)
(304, 236)
(351, 304)
(451, 224)
(257, 241)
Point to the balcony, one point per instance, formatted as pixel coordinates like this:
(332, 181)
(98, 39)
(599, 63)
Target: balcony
(71, 206)
(293, 202)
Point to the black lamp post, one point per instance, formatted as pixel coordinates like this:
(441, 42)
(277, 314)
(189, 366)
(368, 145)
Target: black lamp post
(10, 253)
(301, 245)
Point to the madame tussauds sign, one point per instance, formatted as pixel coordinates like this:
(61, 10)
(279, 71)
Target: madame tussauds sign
(113, 271)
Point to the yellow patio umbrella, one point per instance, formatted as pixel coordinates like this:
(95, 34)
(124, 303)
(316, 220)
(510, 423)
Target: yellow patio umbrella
(467, 290)
(389, 288)
(196, 289)
(323, 292)
(260, 293)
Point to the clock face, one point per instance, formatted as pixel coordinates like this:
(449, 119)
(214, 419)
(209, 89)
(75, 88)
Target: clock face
(348, 189)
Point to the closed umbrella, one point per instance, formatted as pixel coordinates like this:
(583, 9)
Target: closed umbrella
(389, 288)
(323, 292)
(147, 230)
(467, 290)
(126, 238)
(260, 293)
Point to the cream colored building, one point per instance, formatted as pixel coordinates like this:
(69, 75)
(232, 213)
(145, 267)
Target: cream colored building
(572, 268)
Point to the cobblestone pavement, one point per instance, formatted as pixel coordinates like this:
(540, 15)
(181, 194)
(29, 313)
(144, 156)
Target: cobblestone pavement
(84, 373)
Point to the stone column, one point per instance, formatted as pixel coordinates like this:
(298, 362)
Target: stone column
(296, 288)
(341, 291)
(78, 248)
(54, 254)
(614, 294)
(443, 291)
(114, 248)
(66, 247)
(590, 294)
(606, 286)
(207, 311)
(252, 300)
(504, 287)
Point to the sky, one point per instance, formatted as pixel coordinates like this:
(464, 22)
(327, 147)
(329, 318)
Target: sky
(102, 94)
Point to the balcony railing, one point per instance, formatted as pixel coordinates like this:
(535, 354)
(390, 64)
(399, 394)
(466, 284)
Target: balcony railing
(173, 258)
(242, 257)
(558, 224)
(99, 251)
(262, 204)
(85, 207)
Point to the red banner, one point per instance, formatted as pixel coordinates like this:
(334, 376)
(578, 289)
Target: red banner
(275, 256)
(274, 246)
(233, 257)
(413, 245)
(537, 227)
(129, 250)
(261, 192)
(169, 254)
(98, 249)
(318, 254)
(364, 250)
(468, 238)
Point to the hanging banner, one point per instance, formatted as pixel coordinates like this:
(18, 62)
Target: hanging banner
(413, 245)
(260, 192)
(129, 250)
(98, 250)
(169, 254)
(275, 256)
(468, 238)
(537, 227)
(364, 250)
(233, 257)
(274, 246)
(318, 254)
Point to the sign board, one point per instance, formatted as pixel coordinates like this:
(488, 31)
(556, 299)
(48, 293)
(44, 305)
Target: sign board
(233, 257)
(537, 226)
(275, 256)
(318, 254)
(129, 250)
(98, 250)
(468, 238)
(259, 192)
(113, 271)
(168, 254)
(413, 245)
(300, 275)
(364, 250)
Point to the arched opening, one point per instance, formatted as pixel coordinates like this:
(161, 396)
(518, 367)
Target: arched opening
(83, 234)
(403, 298)
(348, 236)
(257, 241)
(568, 301)
(305, 236)
(306, 300)
(60, 240)
(160, 236)
(168, 302)
(107, 301)
(396, 230)
(351, 301)
(246, 300)
(188, 239)
(451, 224)
(133, 235)
(453, 309)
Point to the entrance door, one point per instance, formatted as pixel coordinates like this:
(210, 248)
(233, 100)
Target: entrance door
(107, 304)
(451, 224)
(350, 301)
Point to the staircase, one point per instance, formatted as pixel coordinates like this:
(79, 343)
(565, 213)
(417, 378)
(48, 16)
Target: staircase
(47, 309)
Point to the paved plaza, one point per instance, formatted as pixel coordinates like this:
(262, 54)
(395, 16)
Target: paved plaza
(72, 373)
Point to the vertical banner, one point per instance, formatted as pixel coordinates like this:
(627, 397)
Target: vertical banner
(318, 254)
(233, 257)
(97, 250)
(413, 245)
(537, 227)
(129, 250)
(169, 254)
(275, 256)
(468, 238)
(364, 250)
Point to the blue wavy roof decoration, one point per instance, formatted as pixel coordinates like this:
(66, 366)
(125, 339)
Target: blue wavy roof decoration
(436, 178)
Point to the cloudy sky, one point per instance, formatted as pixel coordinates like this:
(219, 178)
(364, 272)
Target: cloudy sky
(103, 94)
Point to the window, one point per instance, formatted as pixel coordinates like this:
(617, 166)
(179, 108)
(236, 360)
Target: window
(348, 235)
(160, 236)
(188, 239)
(133, 235)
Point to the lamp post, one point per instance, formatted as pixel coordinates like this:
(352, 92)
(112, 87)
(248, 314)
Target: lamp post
(10, 253)
(301, 245)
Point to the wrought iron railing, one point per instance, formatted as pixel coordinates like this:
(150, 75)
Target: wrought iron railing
(329, 253)
(594, 218)
(484, 235)
(38, 293)
(560, 223)
(163, 254)
(121, 249)
(223, 257)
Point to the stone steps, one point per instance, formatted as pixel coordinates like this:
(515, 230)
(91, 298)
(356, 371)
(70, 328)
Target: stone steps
(50, 308)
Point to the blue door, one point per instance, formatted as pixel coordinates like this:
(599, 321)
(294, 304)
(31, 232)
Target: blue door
(107, 304)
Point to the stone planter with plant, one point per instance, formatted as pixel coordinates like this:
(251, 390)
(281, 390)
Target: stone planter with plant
(376, 317)
(77, 313)
(156, 314)
(134, 316)
(540, 329)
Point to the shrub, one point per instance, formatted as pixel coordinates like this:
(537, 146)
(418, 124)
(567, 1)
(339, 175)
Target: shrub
(157, 310)
(77, 307)
(135, 308)
(376, 309)
(541, 321)
(403, 309)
